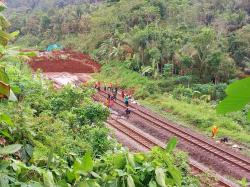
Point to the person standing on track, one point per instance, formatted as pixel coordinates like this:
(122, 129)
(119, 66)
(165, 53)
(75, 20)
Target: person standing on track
(105, 87)
(116, 90)
(110, 86)
(112, 102)
(115, 93)
(107, 102)
(214, 131)
(109, 96)
(99, 86)
(123, 94)
(126, 100)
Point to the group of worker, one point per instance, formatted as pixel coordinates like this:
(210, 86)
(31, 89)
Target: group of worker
(110, 100)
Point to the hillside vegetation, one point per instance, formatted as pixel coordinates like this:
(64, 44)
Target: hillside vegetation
(188, 49)
(58, 138)
(206, 39)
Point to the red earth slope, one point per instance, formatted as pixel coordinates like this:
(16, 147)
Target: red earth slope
(64, 61)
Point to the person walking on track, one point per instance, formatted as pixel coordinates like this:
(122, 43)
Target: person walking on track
(127, 112)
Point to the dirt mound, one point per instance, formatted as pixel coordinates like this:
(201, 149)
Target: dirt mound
(64, 61)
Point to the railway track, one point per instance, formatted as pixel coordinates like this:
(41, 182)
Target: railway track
(223, 154)
(148, 142)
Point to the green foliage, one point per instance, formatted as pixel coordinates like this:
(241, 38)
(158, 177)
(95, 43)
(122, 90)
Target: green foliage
(154, 37)
(115, 168)
(237, 97)
(10, 149)
(239, 46)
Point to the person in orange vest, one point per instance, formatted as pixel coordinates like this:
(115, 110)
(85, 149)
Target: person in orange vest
(214, 131)
(107, 102)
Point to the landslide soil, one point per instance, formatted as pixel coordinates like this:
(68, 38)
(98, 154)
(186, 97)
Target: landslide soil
(64, 66)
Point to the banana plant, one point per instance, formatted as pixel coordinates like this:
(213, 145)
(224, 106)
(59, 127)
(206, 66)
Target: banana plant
(4, 83)
(5, 90)
(5, 53)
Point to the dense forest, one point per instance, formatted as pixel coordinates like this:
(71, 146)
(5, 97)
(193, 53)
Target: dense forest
(58, 138)
(200, 41)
